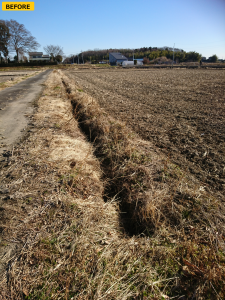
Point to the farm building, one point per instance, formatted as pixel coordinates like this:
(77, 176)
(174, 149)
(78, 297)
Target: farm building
(132, 64)
(116, 58)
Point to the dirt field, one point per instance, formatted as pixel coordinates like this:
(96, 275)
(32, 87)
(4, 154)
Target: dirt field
(181, 111)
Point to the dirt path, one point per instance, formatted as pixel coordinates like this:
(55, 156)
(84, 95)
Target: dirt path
(15, 103)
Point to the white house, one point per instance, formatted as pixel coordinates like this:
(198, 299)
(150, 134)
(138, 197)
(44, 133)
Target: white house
(38, 56)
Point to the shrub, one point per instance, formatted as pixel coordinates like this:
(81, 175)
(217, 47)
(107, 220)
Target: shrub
(145, 61)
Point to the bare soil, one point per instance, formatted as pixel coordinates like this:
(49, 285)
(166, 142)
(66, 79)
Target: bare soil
(180, 111)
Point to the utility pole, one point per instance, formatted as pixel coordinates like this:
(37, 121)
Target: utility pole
(82, 56)
(173, 51)
(78, 58)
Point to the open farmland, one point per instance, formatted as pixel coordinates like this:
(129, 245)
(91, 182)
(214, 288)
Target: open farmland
(180, 111)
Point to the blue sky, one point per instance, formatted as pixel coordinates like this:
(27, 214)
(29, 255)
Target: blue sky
(193, 25)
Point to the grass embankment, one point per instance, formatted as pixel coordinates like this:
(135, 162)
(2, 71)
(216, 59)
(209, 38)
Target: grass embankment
(165, 239)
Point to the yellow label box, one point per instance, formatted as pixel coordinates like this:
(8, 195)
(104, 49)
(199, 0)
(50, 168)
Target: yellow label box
(17, 5)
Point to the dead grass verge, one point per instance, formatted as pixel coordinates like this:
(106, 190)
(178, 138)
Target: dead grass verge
(10, 82)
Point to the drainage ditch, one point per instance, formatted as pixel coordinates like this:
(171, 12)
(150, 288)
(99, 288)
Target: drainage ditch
(123, 177)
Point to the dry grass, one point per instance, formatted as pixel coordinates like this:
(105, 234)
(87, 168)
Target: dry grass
(16, 79)
(72, 244)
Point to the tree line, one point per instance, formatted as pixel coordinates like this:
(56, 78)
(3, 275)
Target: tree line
(14, 37)
(150, 53)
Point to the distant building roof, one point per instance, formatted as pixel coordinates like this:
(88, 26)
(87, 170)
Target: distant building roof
(118, 55)
(35, 53)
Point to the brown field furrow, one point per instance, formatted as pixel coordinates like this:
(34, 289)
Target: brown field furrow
(180, 111)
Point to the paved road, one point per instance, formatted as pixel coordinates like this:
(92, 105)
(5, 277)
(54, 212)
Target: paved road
(15, 102)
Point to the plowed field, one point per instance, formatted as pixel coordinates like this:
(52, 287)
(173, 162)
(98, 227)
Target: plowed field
(181, 111)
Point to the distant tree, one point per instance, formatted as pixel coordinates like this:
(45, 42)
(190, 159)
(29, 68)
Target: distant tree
(21, 40)
(153, 55)
(59, 58)
(54, 51)
(181, 56)
(4, 39)
(193, 56)
(214, 58)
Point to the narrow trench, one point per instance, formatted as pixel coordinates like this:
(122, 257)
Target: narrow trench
(127, 222)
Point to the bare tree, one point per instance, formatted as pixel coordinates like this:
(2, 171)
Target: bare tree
(21, 40)
(54, 51)
(4, 39)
